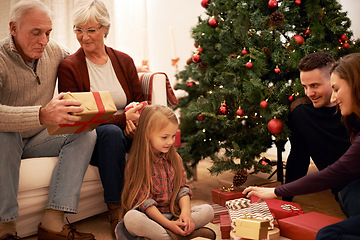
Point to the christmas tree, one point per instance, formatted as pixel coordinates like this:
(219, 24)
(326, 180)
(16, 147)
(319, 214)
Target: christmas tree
(243, 75)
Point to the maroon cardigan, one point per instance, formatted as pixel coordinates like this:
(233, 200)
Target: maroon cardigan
(74, 77)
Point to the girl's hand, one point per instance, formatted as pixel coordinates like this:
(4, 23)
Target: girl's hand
(177, 227)
(188, 221)
(262, 192)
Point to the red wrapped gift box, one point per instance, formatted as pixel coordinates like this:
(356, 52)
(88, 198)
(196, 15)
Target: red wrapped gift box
(281, 209)
(218, 210)
(225, 226)
(305, 226)
(220, 196)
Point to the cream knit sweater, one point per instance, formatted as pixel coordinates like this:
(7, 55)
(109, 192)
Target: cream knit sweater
(21, 96)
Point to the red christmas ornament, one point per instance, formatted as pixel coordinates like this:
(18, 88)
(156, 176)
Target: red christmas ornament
(277, 70)
(299, 39)
(291, 98)
(244, 51)
(307, 32)
(275, 126)
(190, 84)
(346, 46)
(344, 38)
(200, 117)
(205, 3)
(196, 58)
(298, 2)
(200, 49)
(212, 22)
(272, 4)
(249, 65)
(264, 104)
(240, 112)
(223, 109)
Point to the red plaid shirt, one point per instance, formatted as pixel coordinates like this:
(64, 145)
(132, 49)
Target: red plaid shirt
(162, 185)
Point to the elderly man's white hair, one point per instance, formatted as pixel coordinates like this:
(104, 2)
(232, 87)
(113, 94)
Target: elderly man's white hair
(24, 6)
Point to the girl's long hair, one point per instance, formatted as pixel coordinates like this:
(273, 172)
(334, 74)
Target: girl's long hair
(138, 171)
(348, 69)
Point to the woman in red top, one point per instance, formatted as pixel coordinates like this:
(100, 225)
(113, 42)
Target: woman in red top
(96, 67)
(345, 82)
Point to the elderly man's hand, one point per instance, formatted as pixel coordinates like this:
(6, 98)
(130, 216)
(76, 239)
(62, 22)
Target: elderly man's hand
(59, 111)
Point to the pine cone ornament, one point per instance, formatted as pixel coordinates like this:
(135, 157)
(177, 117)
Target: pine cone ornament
(240, 177)
(266, 51)
(277, 19)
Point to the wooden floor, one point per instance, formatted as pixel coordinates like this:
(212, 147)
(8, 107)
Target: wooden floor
(322, 202)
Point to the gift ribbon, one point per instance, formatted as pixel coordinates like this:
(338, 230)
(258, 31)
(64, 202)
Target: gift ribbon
(229, 189)
(101, 111)
(292, 210)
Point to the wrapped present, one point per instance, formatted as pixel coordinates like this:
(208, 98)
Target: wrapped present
(221, 195)
(225, 226)
(255, 211)
(237, 203)
(305, 226)
(273, 234)
(218, 211)
(133, 104)
(252, 228)
(177, 142)
(280, 209)
(98, 107)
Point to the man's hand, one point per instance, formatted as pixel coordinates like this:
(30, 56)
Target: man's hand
(58, 111)
(262, 192)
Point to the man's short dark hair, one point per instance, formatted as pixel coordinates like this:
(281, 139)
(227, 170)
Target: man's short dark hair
(315, 60)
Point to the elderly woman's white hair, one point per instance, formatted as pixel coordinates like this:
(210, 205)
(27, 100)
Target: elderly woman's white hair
(91, 10)
(24, 6)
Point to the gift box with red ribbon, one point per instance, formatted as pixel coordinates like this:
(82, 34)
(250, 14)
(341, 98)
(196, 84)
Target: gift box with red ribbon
(218, 211)
(98, 107)
(221, 195)
(225, 226)
(305, 226)
(280, 209)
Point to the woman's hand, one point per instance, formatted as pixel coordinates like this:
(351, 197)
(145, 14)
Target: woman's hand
(133, 114)
(130, 129)
(188, 221)
(262, 192)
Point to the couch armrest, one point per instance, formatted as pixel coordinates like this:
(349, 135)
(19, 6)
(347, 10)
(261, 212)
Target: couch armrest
(156, 88)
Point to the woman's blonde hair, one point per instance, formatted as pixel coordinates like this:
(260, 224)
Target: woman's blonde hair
(139, 165)
(91, 10)
(348, 69)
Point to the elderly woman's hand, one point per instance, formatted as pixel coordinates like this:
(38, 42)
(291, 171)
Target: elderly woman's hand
(262, 192)
(130, 129)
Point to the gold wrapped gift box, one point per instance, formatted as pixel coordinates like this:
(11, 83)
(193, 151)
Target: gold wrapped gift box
(252, 228)
(98, 107)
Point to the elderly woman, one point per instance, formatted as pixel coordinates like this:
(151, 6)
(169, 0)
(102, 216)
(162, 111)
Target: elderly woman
(96, 67)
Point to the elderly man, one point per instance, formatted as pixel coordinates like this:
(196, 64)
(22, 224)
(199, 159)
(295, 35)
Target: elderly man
(28, 70)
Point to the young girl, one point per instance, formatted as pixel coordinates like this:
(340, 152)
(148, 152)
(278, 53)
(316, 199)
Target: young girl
(345, 172)
(155, 197)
